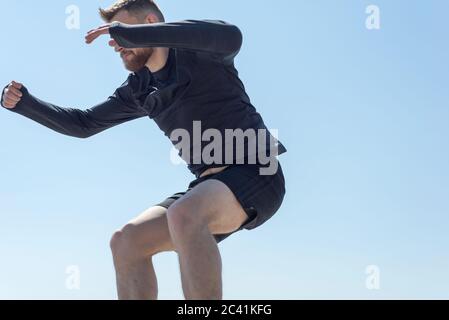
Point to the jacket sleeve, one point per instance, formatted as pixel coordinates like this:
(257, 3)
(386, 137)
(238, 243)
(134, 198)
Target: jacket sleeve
(78, 123)
(216, 37)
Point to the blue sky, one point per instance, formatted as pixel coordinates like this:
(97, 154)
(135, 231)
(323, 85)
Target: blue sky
(362, 112)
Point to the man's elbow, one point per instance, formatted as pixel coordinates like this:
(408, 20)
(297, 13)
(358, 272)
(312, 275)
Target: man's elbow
(236, 37)
(81, 134)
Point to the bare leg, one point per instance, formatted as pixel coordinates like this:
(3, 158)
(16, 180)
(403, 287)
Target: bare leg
(201, 266)
(208, 209)
(133, 248)
(137, 281)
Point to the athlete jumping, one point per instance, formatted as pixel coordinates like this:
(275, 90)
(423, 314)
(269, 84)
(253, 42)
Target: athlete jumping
(182, 74)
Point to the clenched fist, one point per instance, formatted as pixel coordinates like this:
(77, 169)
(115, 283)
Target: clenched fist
(12, 95)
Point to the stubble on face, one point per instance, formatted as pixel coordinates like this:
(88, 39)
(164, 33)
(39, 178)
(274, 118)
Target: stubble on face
(133, 59)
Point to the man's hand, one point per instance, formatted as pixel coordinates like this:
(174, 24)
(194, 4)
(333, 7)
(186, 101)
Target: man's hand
(93, 34)
(12, 95)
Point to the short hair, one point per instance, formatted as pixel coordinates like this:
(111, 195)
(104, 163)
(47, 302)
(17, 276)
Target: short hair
(135, 7)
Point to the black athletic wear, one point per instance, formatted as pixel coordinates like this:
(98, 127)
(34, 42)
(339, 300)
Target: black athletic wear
(198, 83)
(260, 196)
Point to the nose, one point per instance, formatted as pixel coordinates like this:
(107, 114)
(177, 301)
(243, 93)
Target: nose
(115, 45)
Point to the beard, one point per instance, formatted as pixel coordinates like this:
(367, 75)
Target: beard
(136, 60)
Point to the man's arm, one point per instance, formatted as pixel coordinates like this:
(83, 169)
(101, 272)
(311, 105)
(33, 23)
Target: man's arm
(216, 37)
(77, 123)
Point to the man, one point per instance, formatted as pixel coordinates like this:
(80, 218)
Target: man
(182, 74)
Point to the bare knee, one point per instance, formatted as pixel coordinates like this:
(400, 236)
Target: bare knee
(122, 245)
(126, 249)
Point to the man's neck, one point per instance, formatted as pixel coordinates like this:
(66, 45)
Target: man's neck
(158, 59)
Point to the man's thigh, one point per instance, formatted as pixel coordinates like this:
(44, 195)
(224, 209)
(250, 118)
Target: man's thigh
(211, 200)
(150, 231)
(213, 203)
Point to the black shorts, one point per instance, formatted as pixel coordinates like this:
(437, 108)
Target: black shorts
(261, 196)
